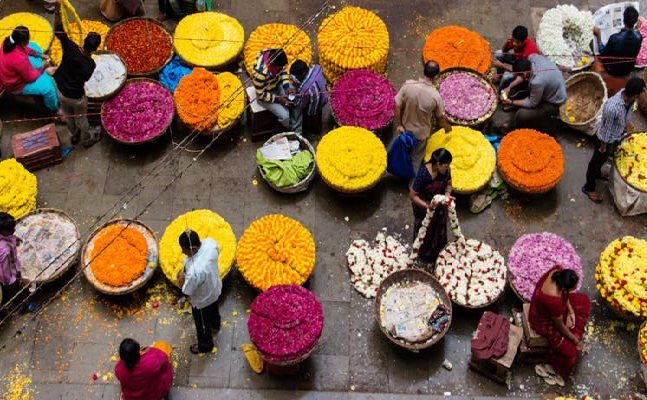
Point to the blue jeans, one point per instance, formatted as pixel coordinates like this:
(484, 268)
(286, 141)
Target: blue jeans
(506, 76)
(43, 85)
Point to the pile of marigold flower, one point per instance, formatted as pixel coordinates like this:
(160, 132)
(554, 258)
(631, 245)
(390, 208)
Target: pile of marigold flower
(40, 30)
(17, 188)
(294, 41)
(631, 160)
(88, 25)
(455, 46)
(118, 255)
(142, 44)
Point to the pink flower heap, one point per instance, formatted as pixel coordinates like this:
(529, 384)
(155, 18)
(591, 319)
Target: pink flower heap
(466, 96)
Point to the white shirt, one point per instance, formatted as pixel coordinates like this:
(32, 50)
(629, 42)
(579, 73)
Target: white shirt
(202, 281)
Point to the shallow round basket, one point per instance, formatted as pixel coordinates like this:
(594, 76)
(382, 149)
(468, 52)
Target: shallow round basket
(586, 94)
(304, 144)
(121, 85)
(468, 192)
(622, 313)
(505, 179)
(458, 121)
(153, 21)
(378, 131)
(411, 275)
(292, 362)
(614, 165)
(349, 191)
(514, 289)
(153, 258)
(150, 139)
(38, 276)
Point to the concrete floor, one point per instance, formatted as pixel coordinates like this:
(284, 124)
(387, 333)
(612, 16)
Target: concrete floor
(76, 335)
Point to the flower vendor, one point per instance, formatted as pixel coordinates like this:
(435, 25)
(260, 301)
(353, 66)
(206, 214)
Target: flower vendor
(273, 85)
(311, 94)
(145, 373)
(201, 281)
(418, 107)
(10, 278)
(547, 91)
(24, 69)
(76, 68)
(114, 10)
(613, 126)
(434, 177)
(560, 316)
(621, 45)
(523, 47)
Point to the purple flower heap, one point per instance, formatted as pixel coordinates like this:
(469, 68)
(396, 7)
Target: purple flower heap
(139, 112)
(534, 254)
(363, 98)
(285, 323)
(466, 96)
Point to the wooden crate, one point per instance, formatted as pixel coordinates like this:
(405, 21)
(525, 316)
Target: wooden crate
(37, 149)
(263, 122)
(497, 369)
(532, 338)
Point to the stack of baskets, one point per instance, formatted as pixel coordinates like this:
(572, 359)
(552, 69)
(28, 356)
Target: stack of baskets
(587, 93)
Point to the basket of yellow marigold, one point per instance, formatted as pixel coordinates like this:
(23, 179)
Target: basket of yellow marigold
(88, 25)
(294, 41)
(17, 188)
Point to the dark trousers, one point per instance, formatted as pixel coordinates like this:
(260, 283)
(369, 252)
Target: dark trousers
(165, 8)
(533, 117)
(595, 165)
(206, 319)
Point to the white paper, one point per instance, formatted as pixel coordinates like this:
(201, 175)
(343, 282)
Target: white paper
(277, 150)
(609, 18)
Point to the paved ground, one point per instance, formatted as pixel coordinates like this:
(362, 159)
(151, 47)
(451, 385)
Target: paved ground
(60, 349)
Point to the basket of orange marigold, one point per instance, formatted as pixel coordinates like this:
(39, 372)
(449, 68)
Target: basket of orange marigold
(455, 46)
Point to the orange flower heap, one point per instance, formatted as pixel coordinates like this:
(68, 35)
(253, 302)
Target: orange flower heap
(455, 46)
(197, 98)
(119, 255)
(530, 161)
(275, 250)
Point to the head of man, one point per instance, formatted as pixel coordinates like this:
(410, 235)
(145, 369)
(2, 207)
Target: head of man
(189, 242)
(630, 17)
(299, 71)
(431, 70)
(7, 224)
(519, 36)
(277, 58)
(91, 42)
(522, 67)
(633, 89)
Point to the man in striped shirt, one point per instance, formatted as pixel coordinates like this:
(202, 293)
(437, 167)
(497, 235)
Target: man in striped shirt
(272, 84)
(311, 93)
(614, 125)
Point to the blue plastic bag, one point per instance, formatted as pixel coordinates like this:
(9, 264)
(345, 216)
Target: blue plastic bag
(398, 159)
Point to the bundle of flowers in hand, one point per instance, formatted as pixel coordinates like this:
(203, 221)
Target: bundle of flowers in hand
(285, 323)
(467, 97)
(473, 157)
(530, 161)
(363, 98)
(455, 46)
(88, 25)
(207, 224)
(294, 41)
(631, 160)
(209, 39)
(17, 188)
(119, 255)
(353, 38)
(533, 255)
(621, 276)
(40, 30)
(437, 200)
(142, 43)
(275, 250)
(350, 159)
(564, 34)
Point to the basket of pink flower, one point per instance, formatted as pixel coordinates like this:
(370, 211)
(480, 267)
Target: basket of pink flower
(470, 98)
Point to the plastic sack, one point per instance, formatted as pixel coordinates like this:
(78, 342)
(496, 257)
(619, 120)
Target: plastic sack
(398, 157)
(629, 200)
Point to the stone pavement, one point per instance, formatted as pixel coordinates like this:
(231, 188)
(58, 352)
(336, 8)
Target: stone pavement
(76, 335)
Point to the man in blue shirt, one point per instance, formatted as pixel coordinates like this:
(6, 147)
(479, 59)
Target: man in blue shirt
(311, 94)
(622, 45)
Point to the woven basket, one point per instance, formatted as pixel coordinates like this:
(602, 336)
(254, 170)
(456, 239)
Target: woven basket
(464, 122)
(304, 144)
(410, 275)
(121, 86)
(586, 95)
(151, 262)
(518, 189)
(291, 362)
(349, 191)
(378, 131)
(615, 162)
(514, 289)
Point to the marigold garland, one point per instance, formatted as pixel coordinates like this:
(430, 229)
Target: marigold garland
(294, 41)
(17, 188)
(232, 99)
(142, 44)
(207, 224)
(530, 161)
(631, 160)
(66, 7)
(56, 52)
(40, 30)
(353, 38)
(275, 250)
(119, 255)
(350, 159)
(197, 98)
(455, 46)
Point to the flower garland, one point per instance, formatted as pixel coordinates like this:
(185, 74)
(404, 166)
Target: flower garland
(565, 31)
(350, 159)
(455, 46)
(466, 96)
(197, 98)
(353, 38)
(363, 98)
(642, 343)
(631, 160)
(232, 99)
(207, 224)
(119, 255)
(530, 161)
(17, 188)
(275, 250)
(294, 41)
(473, 157)
(285, 323)
(621, 275)
(143, 45)
(66, 7)
(109, 73)
(437, 200)
(141, 111)
(532, 255)
(56, 52)
(208, 39)
(40, 30)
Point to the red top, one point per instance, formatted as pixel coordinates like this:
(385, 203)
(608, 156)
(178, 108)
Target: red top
(529, 48)
(16, 70)
(150, 379)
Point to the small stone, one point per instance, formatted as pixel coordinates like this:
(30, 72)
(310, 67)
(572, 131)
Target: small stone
(352, 387)
(447, 365)
(346, 219)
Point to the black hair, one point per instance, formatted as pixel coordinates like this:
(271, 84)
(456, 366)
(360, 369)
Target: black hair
(299, 67)
(440, 156)
(7, 222)
(278, 58)
(20, 36)
(520, 33)
(129, 352)
(634, 87)
(189, 240)
(522, 65)
(431, 69)
(91, 42)
(630, 17)
(565, 279)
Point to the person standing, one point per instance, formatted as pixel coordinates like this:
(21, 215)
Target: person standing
(311, 93)
(201, 281)
(272, 85)
(614, 125)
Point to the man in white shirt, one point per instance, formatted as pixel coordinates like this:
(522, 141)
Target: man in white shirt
(201, 281)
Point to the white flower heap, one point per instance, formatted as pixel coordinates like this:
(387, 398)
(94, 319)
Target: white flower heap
(565, 31)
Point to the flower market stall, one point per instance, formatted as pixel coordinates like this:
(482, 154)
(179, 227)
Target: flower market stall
(294, 41)
(469, 98)
(455, 46)
(363, 98)
(628, 179)
(352, 38)
(532, 255)
(40, 30)
(17, 188)
(564, 35)
(285, 324)
(288, 175)
(78, 35)
(586, 93)
(206, 224)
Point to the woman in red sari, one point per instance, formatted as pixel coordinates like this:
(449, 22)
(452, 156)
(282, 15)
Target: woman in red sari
(144, 373)
(560, 316)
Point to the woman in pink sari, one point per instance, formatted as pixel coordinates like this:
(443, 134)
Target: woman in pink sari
(144, 373)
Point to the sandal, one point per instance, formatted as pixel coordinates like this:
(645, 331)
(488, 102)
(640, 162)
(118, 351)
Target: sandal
(559, 380)
(541, 371)
(550, 380)
(549, 369)
(593, 196)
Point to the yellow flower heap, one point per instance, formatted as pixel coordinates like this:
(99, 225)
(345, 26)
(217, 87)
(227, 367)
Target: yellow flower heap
(207, 224)
(353, 38)
(17, 188)
(621, 276)
(56, 52)
(293, 40)
(473, 158)
(40, 30)
(232, 99)
(631, 160)
(208, 39)
(350, 159)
